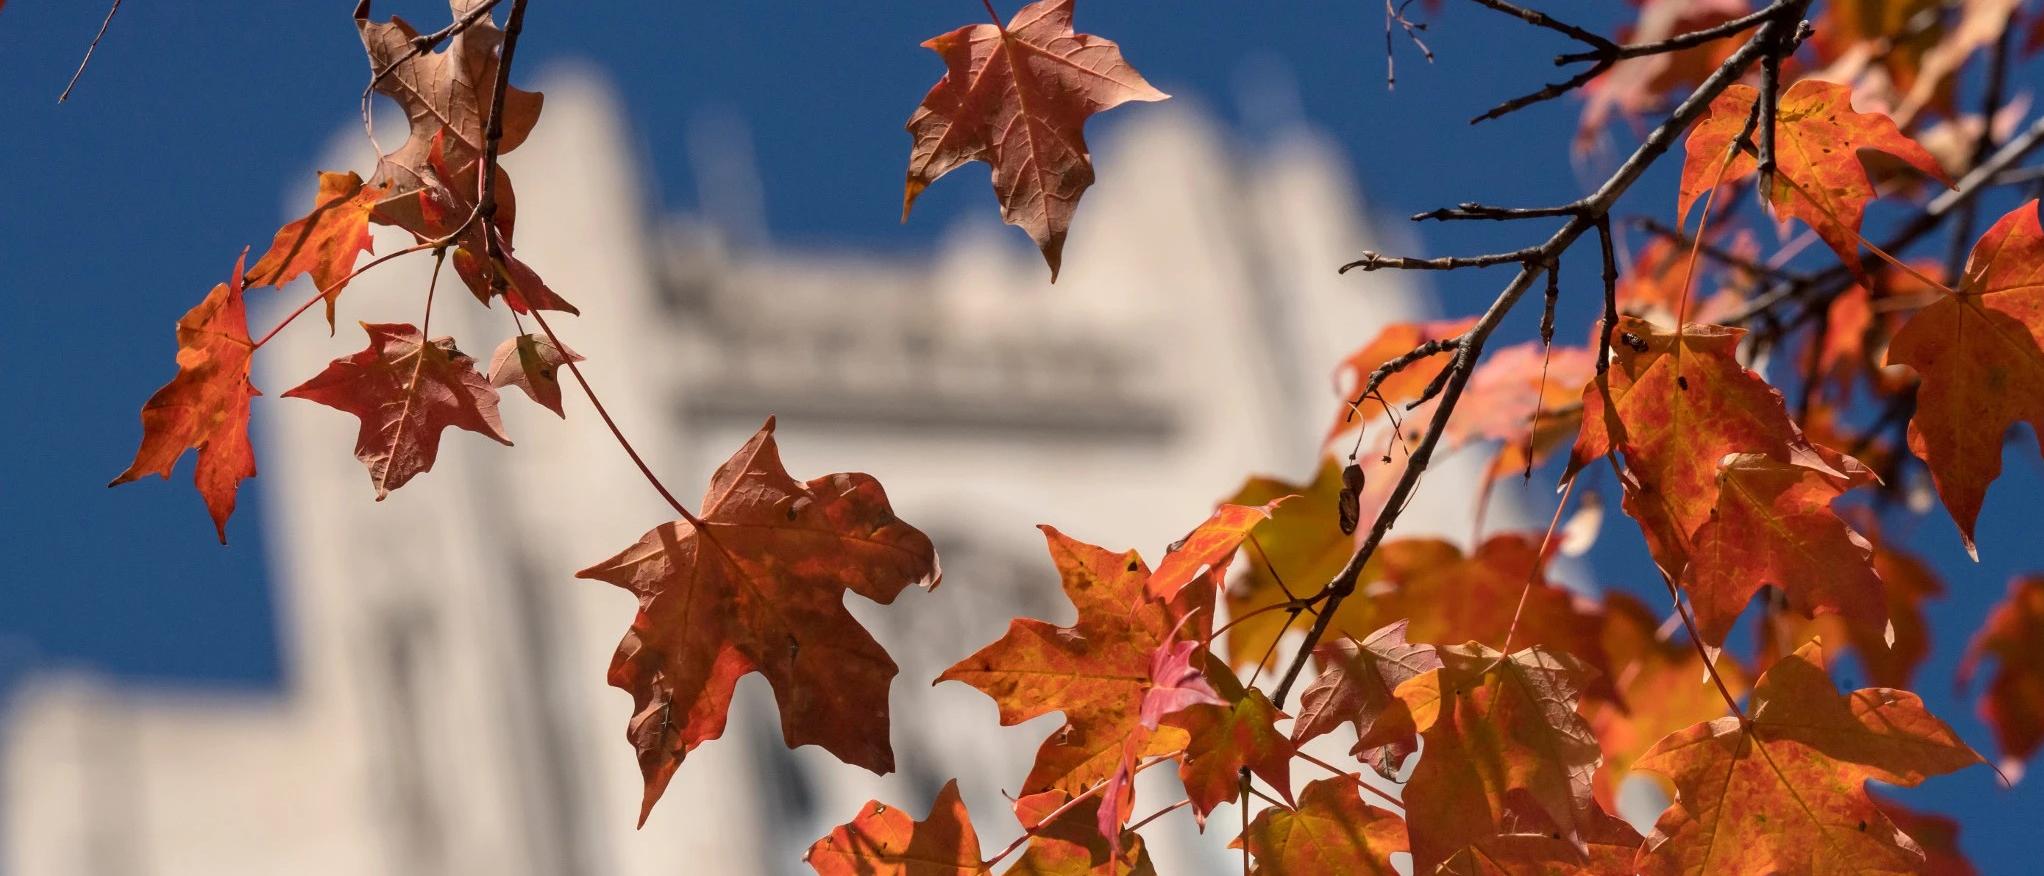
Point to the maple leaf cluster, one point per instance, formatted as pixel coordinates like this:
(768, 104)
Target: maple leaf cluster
(1493, 710)
(406, 388)
(1497, 711)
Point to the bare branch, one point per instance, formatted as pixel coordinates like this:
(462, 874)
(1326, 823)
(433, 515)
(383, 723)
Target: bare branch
(1533, 263)
(89, 49)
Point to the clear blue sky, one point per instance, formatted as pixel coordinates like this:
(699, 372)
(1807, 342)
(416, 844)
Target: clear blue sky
(125, 205)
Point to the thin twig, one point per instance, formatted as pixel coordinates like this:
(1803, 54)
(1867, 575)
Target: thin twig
(1717, 253)
(1374, 261)
(1473, 210)
(1983, 146)
(1595, 207)
(1676, 43)
(94, 46)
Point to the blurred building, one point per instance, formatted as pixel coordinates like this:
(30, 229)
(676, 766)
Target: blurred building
(443, 709)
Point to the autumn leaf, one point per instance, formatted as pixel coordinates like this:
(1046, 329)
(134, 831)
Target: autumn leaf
(1072, 845)
(1890, 651)
(532, 363)
(1527, 397)
(205, 407)
(1662, 687)
(1608, 850)
(1784, 791)
(1637, 86)
(759, 586)
(1355, 686)
(1677, 403)
(1212, 547)
(1175, 684)
(1773, 525)
(1225, 738)
(1937, 835)
(326, 242)
(1818, 175)
(884, 841)
(1301, 546)
(1451, 597)
(1331, 831)
(2014, 701)
(446, 208)
(406, 390)
(1889, 28)
(1096, 671)
(1665, 272)
(446, 94)
(1978, 353)
(1397, 388)
(1507, 762)
(1017, 97)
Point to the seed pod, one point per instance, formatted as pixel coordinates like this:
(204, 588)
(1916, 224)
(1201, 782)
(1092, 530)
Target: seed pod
(1351, 504)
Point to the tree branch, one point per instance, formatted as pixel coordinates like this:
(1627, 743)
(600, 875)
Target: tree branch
(1593, 214)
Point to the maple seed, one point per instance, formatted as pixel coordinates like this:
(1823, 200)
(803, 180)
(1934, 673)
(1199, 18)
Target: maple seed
(1350, 503)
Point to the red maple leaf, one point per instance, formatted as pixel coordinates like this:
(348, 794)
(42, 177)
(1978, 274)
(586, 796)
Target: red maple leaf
(1017, 97)
(406, 390)
(759, 587)
(205, 407)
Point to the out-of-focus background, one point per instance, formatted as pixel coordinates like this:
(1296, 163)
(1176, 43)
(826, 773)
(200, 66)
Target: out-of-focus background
(416, 686)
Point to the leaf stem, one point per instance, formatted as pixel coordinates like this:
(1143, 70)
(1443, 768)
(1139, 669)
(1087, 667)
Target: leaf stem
(615, 432)
(1066, 808)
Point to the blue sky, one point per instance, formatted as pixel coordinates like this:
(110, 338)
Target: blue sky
(126, 204)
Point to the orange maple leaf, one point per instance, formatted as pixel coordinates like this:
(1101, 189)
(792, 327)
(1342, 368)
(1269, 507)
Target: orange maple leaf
(1664, 689)
(325, 242)
(1017, 97)
(2014, 701)
(1072, 845)
(1513, 385)
(885, 841)
(759, 587)
(1937, 835)
(1818, 175)
(1210, 547)
(1096, 671)
(205, 407)
(1675, 405)
(1331, 831)
(1397, 339)
(1773, 525)
(1890, 651)
(406, 390)
(1508, 762)
(1300, 548)
(1451, 597)
(1238, 733)
(1978, 353)
(1784, 791)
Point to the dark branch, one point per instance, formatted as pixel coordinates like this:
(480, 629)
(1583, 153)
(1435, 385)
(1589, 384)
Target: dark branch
(89, 49)
(1372, 261)
(1533, 263)
(1473, 210)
